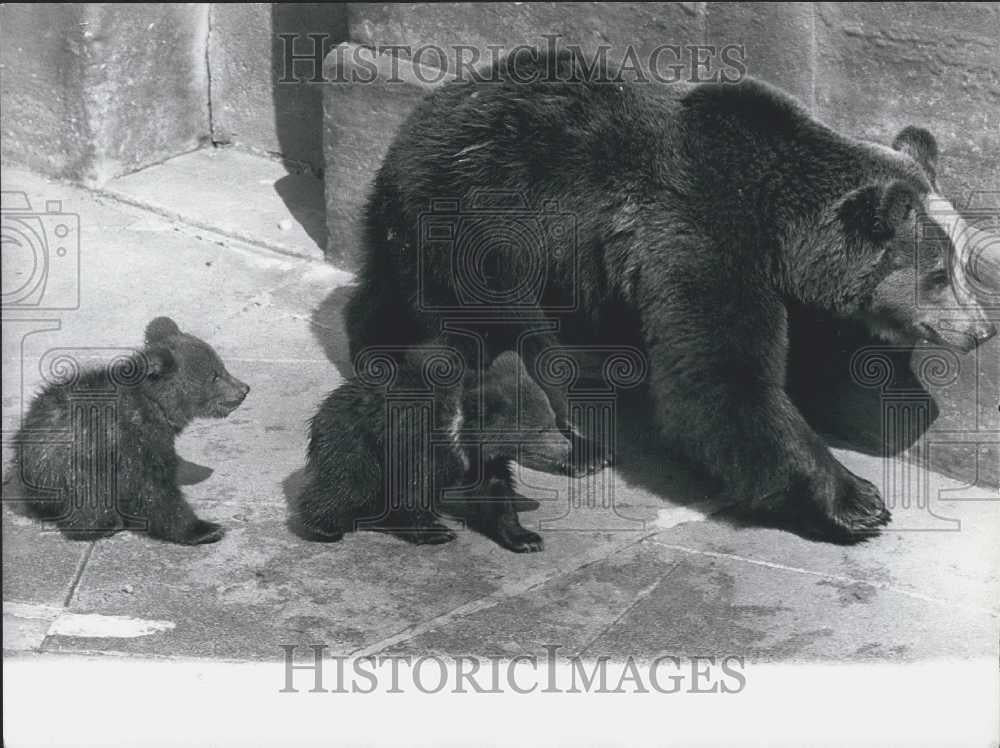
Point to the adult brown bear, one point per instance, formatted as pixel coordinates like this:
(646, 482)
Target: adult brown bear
(682, 220)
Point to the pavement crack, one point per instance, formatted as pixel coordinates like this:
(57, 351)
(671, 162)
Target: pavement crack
(78, 574)
(524, 584)
(840, 578)
(642, 595)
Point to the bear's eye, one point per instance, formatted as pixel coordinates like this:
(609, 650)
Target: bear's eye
(215, 376)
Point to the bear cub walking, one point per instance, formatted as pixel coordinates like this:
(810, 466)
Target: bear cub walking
(372, 467)
(95, 453)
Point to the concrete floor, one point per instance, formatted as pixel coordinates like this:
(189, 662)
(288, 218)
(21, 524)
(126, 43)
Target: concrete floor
(659, 575)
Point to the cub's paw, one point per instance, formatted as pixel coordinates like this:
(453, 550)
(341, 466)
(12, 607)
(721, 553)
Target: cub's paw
(587, 456)
(203, 532)
(417, 527)
(519, 539)
(317, 534)
(433, 535)
(76, 533)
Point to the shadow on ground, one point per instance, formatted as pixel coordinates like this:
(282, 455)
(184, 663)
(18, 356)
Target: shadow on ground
(303, 196)
(841, 378)
(327, 326)
(190, 473)
(297, 95)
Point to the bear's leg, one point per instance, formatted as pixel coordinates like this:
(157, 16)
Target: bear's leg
(312, 518)
(495, 516)
(416, 526)
(754, 439)
(171, 518)
(717, 370)
(589, 452)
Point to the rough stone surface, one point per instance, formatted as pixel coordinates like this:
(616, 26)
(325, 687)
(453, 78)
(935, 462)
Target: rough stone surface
(639, 26)
(777, 40)
(882, 66)
(94, 90)
(360, 121)
(40, 565)
(259, 98)
(258, 200)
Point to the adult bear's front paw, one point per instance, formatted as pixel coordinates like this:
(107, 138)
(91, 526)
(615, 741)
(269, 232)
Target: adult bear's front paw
(852, 509)
(859, 510)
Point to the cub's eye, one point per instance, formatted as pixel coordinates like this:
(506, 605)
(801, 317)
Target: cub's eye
(215, 377)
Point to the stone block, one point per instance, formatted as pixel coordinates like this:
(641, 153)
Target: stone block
(360, 120)
(265, 60)
(882, 66)
(420, 27)
(94, 90)
(777, 41)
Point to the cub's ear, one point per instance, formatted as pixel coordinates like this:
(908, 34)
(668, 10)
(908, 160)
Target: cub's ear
(877, 212)
(160, 329)
(160, 362)
(920, 145)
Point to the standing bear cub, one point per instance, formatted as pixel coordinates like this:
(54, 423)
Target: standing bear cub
(549, 193)
(373, 466)
(95, 453)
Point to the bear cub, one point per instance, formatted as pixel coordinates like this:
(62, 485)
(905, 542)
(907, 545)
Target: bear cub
(372, 467)
(95, 453)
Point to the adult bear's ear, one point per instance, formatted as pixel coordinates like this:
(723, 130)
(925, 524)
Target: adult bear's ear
(895, 207)
(920, 145)
(160, 362)
(160, 329)
(877, 212)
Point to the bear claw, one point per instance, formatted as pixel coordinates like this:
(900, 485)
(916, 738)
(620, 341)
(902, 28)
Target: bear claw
(859, 513)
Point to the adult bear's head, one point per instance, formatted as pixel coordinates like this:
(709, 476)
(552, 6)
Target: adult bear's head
(930, 272)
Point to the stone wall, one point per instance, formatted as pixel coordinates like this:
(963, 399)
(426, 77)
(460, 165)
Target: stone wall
(84, 85)
(262, 98)
(89, 91)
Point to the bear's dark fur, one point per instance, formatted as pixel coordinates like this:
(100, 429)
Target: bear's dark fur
(351, 443)
(95, 454)
(698, 213)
